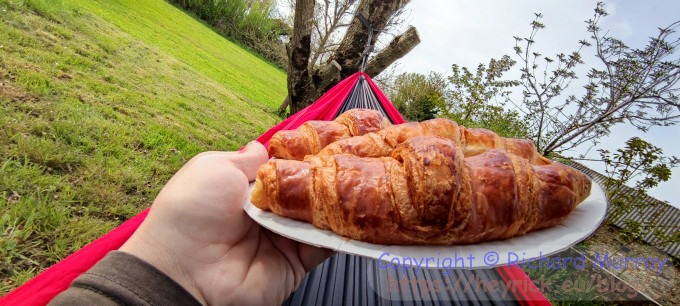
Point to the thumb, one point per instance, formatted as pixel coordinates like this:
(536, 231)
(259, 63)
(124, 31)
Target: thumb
(249, 159)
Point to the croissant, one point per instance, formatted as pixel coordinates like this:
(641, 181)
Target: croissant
(472, 141)
(312, 136)
(425, 192)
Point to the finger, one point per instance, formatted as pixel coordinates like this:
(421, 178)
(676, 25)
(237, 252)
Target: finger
(250, 159)
(308, 256)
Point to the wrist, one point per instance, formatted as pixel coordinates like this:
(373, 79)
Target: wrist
(164, 261)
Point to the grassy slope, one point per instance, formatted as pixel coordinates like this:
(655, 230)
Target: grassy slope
(100, 102)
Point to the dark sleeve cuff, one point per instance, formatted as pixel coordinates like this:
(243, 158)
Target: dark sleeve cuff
(121, 278)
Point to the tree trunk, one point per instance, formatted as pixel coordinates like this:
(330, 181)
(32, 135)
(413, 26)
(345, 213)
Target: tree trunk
(378, 13)
(299, 50)
(305, 86)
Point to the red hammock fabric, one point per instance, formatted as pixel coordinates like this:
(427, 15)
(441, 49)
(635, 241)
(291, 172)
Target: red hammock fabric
(45, 286)
(328, 105)
(522, 286)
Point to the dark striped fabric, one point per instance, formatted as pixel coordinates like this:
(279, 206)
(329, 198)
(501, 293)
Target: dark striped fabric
(352, 280)
(362, 96)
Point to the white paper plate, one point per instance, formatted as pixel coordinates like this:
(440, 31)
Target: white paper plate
(582, 222)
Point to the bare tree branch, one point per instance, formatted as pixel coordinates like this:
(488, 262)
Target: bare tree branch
(327, 58)
(398, 47)
(638, 86)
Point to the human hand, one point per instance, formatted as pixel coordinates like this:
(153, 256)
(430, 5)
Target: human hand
(198, 233)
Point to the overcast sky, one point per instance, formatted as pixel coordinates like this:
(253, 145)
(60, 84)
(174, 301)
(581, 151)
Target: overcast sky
(471, 32)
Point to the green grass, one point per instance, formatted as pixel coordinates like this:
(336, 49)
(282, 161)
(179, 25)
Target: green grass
(586, 285)
(584, 294)
(100, 103)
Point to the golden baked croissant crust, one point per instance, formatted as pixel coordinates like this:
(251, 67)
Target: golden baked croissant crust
(473, 141)
(312, 136)
(424, 192)
(375, 139)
